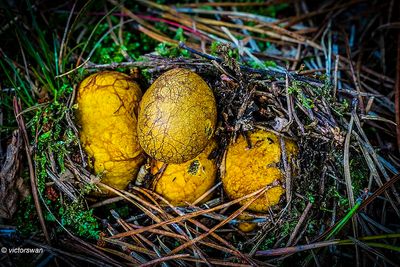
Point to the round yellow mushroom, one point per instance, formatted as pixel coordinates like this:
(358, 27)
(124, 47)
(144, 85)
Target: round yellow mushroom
(107, 111)
(177, 117)
(186, 182)
(250, 169)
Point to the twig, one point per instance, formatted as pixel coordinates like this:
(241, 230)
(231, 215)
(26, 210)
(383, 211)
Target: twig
(353, 74)
(235, 214)
(346, 162)
(290, 250)
(299, 223)
(56, 251)
(232, 249)
(106, 202)
(397, 92)
(252, 70)
(347, 176)
(188, 216)
(63, 41)
(166, 258)
(21, 126)
(287, 171)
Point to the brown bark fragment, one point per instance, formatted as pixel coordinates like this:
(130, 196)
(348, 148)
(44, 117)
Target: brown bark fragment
(8, 179)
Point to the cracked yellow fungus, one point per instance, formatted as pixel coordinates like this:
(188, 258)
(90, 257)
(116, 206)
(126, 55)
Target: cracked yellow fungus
(177, 117)
(107, 111)
(186, 182)
(250, 169)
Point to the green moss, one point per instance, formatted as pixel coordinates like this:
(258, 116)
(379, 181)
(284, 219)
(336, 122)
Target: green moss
(264, 64)
(340, 108)
(146, 74)
(359, 174)
(310, 197)
(77, 217)
(53, 137)
(26, 217)
(133, 44)
(57, 139)
(288, 227)
(268, 243)
(173, 50)
(214, 48)
(296, 89)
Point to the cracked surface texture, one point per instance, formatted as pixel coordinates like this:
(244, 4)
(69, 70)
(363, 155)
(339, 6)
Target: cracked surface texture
(250, 169)
(187, 181)
(107, 111)
(177, 117)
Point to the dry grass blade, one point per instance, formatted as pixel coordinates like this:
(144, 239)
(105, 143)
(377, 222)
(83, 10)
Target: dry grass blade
(161, 232)
(156, 36)
(201, 27)
(380, 190)
(163, 259)
(232, 216)
(299, 223)
(63, 46)
(290, 250)
(376, 159)
(261, 31)
(136, 18)
(106, 202)
(165, 216)
(22, 128)
(397, 93)
(346, 164)
(83, 258)
(63, 184)
(367, 201)
(371, 250)
(130, 246)
(230, 4)
(203, 196)
(188, 216)
(137, 238)
(186, 238)
(130, 261)
(230, 248)
(135, 201)
(121, 255)
(218, 262)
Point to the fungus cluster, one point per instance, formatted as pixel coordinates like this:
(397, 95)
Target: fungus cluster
(174, 124)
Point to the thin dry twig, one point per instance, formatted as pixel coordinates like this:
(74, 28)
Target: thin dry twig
(21, 126)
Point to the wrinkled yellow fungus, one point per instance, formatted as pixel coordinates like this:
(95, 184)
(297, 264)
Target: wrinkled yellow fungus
(107, 111)
(177, 117)
(186, 182)
(250, 169)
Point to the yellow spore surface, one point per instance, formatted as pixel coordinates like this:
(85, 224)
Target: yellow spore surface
(246, 226)
(250, 169)
(107, 111)
(177, 117)
(187, 181)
